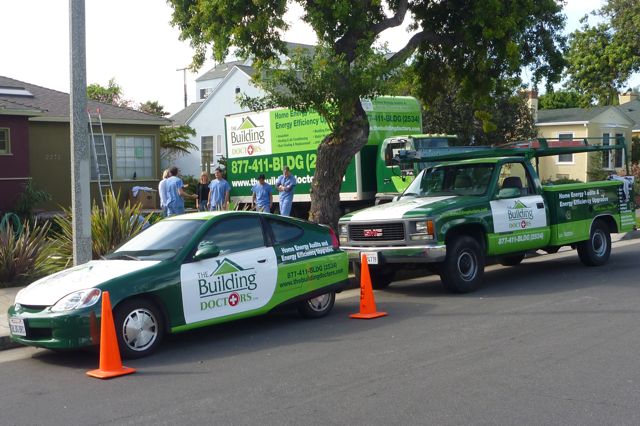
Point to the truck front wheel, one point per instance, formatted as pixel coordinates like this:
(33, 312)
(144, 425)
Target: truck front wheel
(463, 267)
(596, 250)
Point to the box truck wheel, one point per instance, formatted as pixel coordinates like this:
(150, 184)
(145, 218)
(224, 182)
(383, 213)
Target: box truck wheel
(596, 250)
(463, 268)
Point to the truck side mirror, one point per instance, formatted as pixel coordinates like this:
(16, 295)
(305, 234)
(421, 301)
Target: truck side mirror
(509, 193)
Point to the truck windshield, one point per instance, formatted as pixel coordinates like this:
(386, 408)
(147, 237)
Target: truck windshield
(457, 179)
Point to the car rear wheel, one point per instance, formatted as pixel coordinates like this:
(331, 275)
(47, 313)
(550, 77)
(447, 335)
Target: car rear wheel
(318, 306)
(139, 327)
(596, 250)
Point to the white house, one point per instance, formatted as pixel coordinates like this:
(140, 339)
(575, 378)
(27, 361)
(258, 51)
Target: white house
(217, 92)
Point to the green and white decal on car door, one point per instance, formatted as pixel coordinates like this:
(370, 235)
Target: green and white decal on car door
(519, 224)
(228, 284)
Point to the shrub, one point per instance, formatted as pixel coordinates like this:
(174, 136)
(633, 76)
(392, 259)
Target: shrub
(24, 255)
(110, 227)
(30, 197)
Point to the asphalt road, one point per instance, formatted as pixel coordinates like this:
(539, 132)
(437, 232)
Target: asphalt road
(548, 342)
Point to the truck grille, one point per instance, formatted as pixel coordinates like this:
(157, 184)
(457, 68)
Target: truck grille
(377, 232)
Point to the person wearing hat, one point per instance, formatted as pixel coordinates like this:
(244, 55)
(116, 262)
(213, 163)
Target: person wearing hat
(262, 195)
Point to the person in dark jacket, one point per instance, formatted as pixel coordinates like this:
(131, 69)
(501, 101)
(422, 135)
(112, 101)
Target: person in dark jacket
(202, 191)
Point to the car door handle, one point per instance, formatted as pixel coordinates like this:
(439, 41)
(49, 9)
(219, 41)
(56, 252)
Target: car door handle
(262, 260)
(540, 205)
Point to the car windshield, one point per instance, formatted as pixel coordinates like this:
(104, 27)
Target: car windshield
(158, 242)
(456, 179)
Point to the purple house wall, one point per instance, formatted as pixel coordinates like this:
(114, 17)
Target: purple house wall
(14, 166)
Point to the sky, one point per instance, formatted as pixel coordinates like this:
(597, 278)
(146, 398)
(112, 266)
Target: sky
(133, 42)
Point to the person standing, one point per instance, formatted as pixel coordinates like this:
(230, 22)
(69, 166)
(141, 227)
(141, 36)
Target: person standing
(174, 190)
(202, 191)
(262, 195)
(285, 185)
(162, 192)
(219, 192)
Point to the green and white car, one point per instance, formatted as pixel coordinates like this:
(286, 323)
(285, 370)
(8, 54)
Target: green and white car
(185, 272)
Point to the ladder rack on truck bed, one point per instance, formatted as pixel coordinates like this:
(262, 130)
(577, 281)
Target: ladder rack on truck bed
(533, 148)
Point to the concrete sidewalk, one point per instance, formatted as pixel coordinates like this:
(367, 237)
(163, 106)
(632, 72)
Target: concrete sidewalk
(7, 296)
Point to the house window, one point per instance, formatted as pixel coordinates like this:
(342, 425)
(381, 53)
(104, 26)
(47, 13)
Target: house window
(565, 158)
(5, 146)
(206, 152)
(219, 148)
(134, 157)
(204, 93)
(612, 159)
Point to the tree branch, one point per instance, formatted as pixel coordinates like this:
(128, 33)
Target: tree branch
(403, 54)
(394, 21)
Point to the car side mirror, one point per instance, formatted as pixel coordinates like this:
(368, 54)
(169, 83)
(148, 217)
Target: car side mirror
(206, 251)
(509, 193)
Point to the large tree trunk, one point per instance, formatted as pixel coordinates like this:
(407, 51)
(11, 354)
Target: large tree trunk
(334, 154)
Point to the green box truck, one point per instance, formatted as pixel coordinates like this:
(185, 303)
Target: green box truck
(263, 142)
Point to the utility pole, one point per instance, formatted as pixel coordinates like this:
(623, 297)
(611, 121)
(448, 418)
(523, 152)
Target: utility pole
(184, 76)
(79, 131)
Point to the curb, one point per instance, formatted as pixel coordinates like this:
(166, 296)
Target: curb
(7, 343)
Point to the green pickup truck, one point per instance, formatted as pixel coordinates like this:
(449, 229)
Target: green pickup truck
(468, 209)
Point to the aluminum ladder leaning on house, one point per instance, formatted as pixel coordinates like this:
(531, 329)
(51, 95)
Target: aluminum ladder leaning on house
(100, 158)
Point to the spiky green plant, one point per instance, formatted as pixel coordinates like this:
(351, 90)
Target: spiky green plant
(25, 255)
(110, 227)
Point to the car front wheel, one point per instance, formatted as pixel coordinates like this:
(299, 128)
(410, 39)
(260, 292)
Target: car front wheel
(318, 306)
(139, 327)
(463, 266)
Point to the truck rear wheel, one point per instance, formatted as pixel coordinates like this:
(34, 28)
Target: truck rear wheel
(381, 276)
(463, 267)
(596, 250)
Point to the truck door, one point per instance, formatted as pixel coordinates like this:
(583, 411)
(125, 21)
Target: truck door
(519, 214)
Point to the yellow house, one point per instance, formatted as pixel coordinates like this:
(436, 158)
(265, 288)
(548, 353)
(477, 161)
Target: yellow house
(606, 123)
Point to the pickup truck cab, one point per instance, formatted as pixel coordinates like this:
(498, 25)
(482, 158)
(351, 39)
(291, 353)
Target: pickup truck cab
(471, 207)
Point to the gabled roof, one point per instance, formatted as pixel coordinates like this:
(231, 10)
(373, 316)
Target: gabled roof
(219, 71)
(569, 115)
(632, 110)
(248, 71)
(13, 107)
(181, 117)
(54, 106)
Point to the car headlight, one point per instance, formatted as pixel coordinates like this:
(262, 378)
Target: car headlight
(344, 234)
(77, 300)
(344, 229)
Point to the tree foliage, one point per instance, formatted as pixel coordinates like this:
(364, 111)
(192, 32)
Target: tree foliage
(477, 41)
(112, 94)
(174, 141)
(153, 108)
(559, 99)
(603, 57)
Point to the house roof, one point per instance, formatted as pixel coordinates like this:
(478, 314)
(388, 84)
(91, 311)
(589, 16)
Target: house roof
(632, 110)
(219, 71)
(568, 115)
(181, 117)
(54, 105)
(13, 107)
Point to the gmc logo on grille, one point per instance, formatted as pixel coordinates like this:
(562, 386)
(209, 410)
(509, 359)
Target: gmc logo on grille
(373, 232)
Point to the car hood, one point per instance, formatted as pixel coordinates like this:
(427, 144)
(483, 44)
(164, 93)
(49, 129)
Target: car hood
(395, 210)
(48, 290)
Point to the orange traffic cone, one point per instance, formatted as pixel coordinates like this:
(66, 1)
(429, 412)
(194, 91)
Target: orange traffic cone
(110, 363)
(367, 302)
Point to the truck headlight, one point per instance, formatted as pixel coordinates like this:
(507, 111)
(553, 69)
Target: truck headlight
(424, 230)
(344, 233)
(77, 300)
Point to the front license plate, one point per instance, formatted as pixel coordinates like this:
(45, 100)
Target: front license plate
(372, 257)
(16, 326)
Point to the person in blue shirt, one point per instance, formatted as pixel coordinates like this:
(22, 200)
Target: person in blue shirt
(285, 185)
(262, 195)
(219, 190)
(174, 193)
